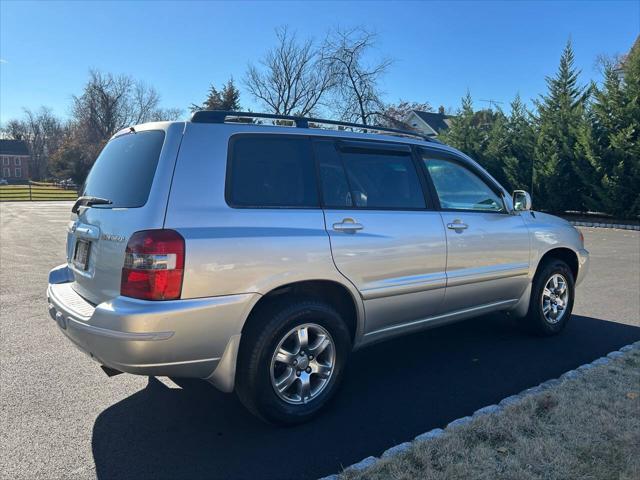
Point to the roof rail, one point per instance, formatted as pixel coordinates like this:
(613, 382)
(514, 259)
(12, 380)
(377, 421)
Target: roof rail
(224, 116)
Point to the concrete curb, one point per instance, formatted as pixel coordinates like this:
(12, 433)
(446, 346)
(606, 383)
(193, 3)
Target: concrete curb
(621, 226)
(490, 409)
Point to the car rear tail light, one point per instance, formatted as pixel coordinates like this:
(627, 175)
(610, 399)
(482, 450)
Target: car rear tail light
(153, 265)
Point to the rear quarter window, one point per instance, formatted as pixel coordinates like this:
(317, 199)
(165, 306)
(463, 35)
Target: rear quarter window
(271, 171)
(124, 170)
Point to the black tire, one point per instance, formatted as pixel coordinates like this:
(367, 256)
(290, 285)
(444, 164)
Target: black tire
(536, 320)
(253, 375)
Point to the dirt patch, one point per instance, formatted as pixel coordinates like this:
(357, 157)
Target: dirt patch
(586, 427)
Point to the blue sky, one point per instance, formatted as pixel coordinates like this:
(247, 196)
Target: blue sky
(494, 49)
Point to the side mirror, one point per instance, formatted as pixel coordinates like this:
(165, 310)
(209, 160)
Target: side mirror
(521, 201)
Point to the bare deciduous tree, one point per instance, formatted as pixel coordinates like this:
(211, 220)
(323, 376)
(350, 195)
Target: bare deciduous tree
(112, 102)
(357, 96)
(166, 114)
(107, 104)
(15, 130)
(43, 133)
(292, 79)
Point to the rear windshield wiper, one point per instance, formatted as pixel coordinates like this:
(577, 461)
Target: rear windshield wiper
(88, 201)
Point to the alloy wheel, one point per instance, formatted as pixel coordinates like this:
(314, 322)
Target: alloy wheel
(555, 298)
(303, 363)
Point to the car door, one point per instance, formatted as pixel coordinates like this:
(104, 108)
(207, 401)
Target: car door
(487, 245)
(383, 237)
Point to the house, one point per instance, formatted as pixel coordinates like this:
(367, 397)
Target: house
(14, 160)
(428, 123)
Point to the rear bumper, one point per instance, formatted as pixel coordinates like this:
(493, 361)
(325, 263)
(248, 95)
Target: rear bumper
(182, 338)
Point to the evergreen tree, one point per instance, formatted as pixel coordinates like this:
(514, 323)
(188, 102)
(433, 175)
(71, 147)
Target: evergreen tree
(581, 151)
(463, 133)
(518, 161)
(212, 102)
(482, 135)
(561, 174)
(228, 98)
(611, 140)
(497, 151)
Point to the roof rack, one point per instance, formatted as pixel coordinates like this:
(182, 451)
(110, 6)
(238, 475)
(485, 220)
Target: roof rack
(223, 116)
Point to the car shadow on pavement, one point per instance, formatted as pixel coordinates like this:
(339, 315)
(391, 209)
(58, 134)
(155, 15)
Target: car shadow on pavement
(392, 392)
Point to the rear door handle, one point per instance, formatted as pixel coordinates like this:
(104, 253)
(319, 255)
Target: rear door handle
(348, 225)
(457, 226)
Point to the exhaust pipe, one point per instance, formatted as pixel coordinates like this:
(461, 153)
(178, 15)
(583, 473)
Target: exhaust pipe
(111, 372)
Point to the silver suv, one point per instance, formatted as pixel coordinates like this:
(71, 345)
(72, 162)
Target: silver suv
(257, 251)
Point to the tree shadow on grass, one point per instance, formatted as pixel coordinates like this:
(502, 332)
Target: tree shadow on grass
(392, 392)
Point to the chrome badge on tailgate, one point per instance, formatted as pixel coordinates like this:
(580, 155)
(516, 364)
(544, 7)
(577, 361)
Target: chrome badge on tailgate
(111, 237)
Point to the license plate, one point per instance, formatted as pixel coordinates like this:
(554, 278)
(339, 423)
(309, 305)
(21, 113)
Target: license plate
(81, 254)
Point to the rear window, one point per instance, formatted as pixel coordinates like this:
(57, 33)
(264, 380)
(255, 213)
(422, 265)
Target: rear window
(380, 180)
(335, 188)
(271, 171)
(125, 168)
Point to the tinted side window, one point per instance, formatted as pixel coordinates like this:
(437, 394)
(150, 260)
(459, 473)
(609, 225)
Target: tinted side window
(124, 170)
(271, 171)
(333, 180)
(458, 188)
(383, 180)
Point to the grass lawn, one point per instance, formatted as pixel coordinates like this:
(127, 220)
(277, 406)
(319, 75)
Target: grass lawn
(586, 427)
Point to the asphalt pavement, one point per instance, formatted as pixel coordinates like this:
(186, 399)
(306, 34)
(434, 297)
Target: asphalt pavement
(62, 417)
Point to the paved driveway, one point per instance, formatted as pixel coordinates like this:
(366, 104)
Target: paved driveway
(60, 416)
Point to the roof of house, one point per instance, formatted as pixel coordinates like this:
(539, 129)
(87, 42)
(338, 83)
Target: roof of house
(13, 147)
(434, 120)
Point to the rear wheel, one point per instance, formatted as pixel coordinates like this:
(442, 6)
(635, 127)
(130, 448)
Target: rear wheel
(291, 361)
(552, 297)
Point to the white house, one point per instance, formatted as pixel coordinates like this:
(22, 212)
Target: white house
(428, 123)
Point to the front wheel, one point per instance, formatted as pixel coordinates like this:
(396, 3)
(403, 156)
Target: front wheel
(291, 361)
(552, 297)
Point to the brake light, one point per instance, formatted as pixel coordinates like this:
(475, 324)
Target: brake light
(153, 265)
